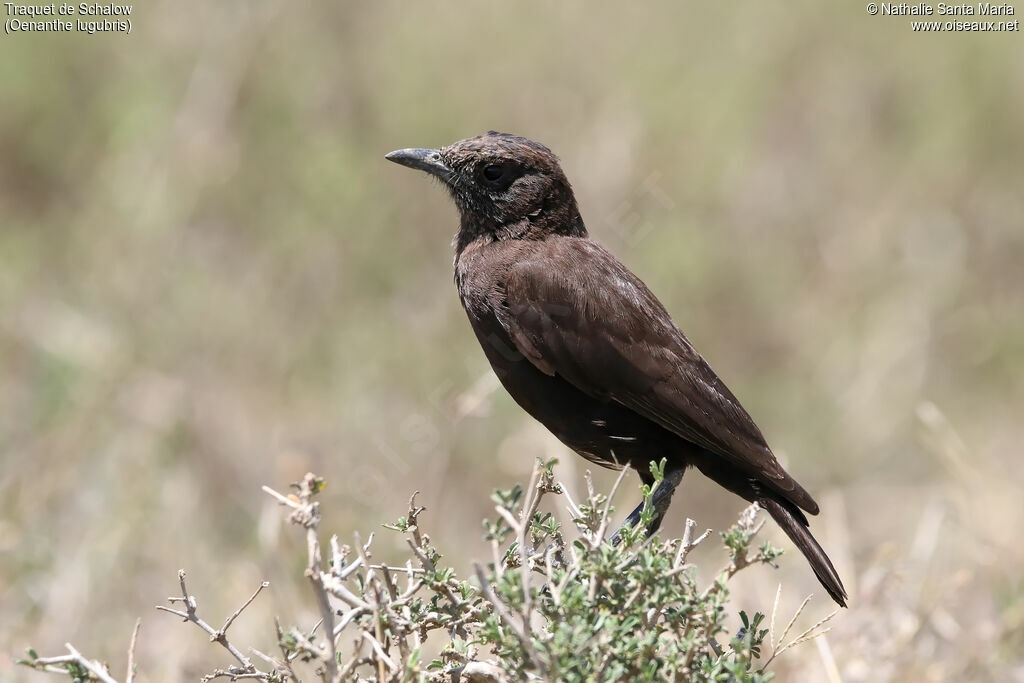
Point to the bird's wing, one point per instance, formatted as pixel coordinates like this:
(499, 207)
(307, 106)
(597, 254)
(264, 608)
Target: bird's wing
(575, 311)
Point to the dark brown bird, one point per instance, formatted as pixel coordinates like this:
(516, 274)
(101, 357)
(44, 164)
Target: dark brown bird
(585, 348)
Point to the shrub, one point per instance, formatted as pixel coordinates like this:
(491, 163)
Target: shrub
(552, 604)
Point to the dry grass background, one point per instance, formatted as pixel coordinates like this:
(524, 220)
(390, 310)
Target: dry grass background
(210, 280)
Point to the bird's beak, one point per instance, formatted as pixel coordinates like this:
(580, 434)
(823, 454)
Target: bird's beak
(428, 160)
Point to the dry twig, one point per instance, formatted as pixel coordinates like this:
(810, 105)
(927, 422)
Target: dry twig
(216, 635)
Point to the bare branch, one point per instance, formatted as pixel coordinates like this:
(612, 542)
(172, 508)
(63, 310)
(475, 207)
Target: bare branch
(228, 622)
(130, 674)
(599, 536)
(217, 636)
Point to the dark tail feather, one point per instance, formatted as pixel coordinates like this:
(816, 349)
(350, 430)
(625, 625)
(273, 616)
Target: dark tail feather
(794, 524)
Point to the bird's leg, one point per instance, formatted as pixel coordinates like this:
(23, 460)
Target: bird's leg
(660, 500)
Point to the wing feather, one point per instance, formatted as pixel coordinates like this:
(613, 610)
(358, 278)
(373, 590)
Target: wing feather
(595, 324)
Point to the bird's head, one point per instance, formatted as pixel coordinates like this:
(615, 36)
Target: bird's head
(505, 187)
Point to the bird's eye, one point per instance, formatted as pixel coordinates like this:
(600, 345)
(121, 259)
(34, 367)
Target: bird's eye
(493, 173)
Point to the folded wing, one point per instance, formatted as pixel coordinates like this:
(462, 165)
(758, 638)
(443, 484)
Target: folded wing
(596, 325)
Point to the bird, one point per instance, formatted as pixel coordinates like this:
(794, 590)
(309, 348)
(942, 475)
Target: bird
(585, 348)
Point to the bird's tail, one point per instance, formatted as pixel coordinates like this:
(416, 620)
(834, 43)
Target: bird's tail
(794, 523)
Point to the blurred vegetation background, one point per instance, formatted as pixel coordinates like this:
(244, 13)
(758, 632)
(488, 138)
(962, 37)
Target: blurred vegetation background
(210, 279)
